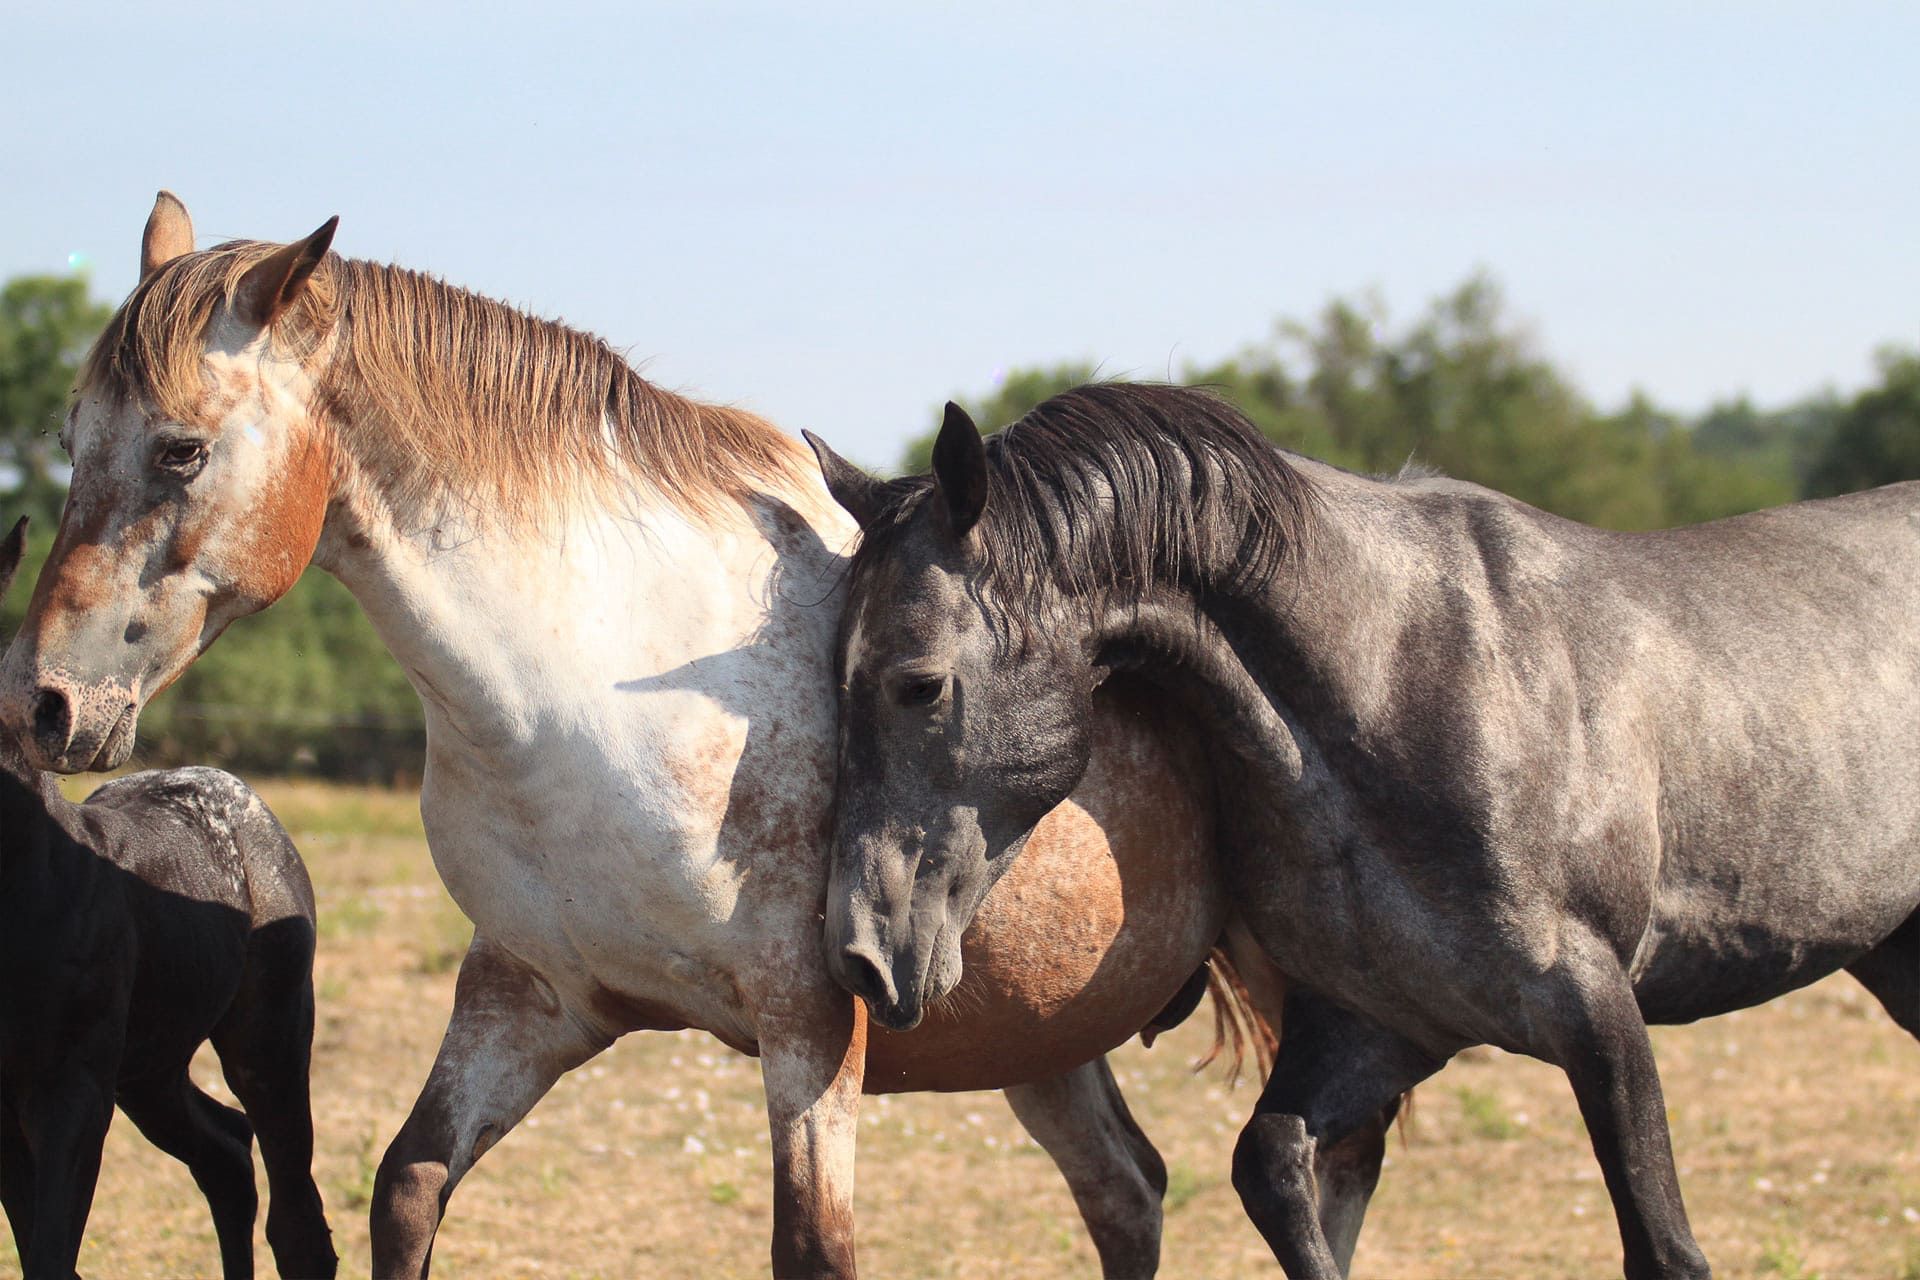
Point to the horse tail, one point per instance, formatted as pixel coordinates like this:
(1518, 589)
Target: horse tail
(1237, 1023)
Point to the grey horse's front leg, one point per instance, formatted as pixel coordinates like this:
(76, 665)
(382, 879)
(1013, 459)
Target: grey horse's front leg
(1116, 1176)
(1324, 1110)
(509, 1039)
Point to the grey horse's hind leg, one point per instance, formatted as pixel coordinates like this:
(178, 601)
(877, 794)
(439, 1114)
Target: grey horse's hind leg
(1892, 972)
(508, 1041)
(1590, 1026)
(1116, 1176)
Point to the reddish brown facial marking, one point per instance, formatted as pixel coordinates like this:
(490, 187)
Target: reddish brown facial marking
(286, 523)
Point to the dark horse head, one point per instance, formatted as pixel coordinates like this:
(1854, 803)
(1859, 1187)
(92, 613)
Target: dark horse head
(977, 629)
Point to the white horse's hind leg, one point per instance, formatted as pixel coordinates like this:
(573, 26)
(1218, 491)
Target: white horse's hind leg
(1116, 1176)
(508, 1041)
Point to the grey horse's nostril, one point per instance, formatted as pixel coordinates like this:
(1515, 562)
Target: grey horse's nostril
(52, 718)
(864, 976)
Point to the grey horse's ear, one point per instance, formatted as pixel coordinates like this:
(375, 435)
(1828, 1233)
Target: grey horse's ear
(275, 282)
(860, 493)
(10, 550)
(960, 468)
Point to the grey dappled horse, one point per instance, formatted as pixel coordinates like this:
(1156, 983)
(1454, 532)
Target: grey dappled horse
(1485, 776)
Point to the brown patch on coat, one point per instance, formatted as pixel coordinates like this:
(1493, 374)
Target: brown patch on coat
(285, 523)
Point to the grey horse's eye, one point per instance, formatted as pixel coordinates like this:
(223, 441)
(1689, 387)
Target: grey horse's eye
(922, 692)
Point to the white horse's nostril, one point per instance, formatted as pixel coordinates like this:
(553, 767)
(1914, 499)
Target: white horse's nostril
(52, 719)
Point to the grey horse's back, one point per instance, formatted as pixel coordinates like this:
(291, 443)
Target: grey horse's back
(210, 836)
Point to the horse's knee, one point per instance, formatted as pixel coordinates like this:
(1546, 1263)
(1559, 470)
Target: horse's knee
(1273, 1157)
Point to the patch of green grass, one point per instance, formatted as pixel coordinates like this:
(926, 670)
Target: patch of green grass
(723, 1192)
(1183, 1184)
(329, 990)
(1781, 1257)
(554, 1178)
(348, 917)
(1910, 1265)
(357, 1191)
(1484, 1114)
(326, 809)
(444, 944)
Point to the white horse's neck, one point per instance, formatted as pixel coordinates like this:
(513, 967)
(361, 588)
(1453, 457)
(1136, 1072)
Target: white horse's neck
(626, 713)
(498, 626)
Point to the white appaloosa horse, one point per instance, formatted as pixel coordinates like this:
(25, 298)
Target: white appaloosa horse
(618, 607)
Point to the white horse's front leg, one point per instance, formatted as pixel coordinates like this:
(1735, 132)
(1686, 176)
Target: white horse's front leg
(813, 1060)
(509, 1039)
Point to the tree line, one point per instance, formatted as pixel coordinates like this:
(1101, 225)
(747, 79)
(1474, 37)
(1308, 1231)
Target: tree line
(307, 686)
(1464, 391)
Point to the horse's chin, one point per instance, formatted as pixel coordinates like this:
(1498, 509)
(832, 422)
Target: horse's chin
(118, 748)
(114, 750)
(943, 975)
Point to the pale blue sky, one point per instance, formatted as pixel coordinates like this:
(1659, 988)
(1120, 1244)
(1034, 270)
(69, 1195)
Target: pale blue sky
(840, 214)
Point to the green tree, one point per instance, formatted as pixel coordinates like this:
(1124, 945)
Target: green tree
(46, 325)
(1877, 439)
(1007, 403)
(305, 686)
(1463, 390)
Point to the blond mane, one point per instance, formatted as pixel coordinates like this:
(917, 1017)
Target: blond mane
(439, 391)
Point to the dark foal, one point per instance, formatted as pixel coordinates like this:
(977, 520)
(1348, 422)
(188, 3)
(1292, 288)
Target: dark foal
(169, 909)
(1486, 776)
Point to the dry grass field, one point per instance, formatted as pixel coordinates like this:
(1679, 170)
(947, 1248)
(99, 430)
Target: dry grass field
(1797, 1128)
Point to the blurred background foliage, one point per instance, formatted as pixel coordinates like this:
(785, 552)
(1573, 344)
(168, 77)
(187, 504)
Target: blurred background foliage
(306, 687)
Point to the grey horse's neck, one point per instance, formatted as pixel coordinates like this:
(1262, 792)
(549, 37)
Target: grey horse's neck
(1319, 629)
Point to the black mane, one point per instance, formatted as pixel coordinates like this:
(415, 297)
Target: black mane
(1111, 487)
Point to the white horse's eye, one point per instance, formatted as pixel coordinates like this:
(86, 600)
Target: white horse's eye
(180, 457)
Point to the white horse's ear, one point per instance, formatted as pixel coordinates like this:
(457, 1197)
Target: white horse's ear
(10, 550)
(960, 468)
(861, 494)
(169, 234)
(276, 282)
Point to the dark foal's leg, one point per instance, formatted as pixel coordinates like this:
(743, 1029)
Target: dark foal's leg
(1589, 1025)
(508, 1041)
(16, 1176)
(64, 1122)
(265, 1044)
(1116, 1176)
(1892, 972)
(1335, 1076)
(215, 1142)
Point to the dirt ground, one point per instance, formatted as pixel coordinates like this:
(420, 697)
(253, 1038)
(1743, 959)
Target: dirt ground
(1797, 1128)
